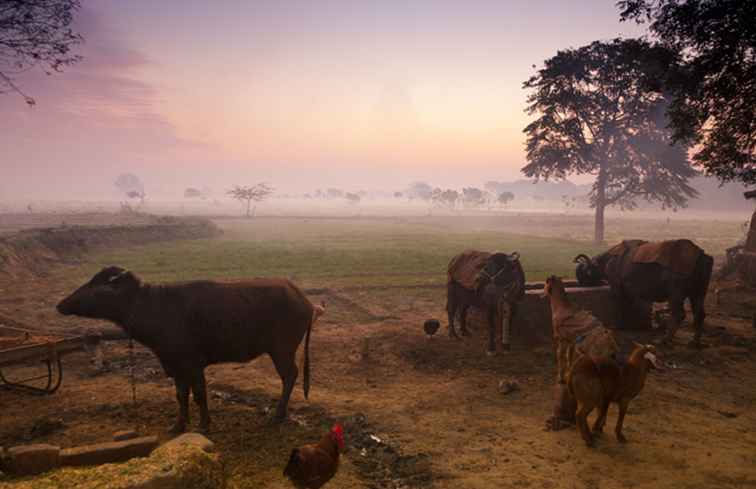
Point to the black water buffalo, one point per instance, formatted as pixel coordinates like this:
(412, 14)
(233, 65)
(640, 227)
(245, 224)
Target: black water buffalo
(634, 279)
(495, 283)
(195, 324)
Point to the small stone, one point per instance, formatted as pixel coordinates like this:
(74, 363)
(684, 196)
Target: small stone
(33, 459)
(124, 435)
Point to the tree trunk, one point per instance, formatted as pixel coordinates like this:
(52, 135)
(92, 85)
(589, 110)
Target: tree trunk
(249, 202)
(598, 229)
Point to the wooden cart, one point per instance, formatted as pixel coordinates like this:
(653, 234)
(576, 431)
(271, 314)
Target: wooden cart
(22, 347)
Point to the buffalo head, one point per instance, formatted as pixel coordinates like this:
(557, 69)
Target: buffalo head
(502, 276)
(106, 296)
(589, 272)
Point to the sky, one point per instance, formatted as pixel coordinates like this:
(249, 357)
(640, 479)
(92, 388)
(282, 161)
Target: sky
(299, 94)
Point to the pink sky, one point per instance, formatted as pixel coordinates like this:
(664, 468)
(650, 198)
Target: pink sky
(362, 95)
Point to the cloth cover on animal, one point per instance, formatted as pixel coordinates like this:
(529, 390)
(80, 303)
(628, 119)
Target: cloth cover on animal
(465, 267)
(587, 334)
(679, 256)
(624, 246)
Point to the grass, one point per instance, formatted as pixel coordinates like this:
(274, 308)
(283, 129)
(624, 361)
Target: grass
(336, 253)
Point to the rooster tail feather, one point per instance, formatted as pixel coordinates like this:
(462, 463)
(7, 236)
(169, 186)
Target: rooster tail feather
(293, 462)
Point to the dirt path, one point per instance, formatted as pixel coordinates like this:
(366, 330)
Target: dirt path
(432, 405)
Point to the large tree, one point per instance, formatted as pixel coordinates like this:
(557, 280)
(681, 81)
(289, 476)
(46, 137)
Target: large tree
(714, 85)
(35, 33)
(600, 111)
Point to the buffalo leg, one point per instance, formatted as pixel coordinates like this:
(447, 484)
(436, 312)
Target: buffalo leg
(677, 308)
(288, 371)
(451, 311)
(699, 314)
(463, 320)
(491, 331)
(182, 396)
(199, 391)
(620, 420)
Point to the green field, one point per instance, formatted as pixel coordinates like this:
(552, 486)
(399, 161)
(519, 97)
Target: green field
(337, 252)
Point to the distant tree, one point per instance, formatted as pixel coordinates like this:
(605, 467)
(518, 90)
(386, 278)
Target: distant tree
(131, 186)
(352, 198)
(334, 193)
(473, 197)
(193, 193)
(492, 186)
(714, 84)
(36, 33)
(247, 195)
(419, 190)
(444, 198)
(601, 112)
(398, 195)
(505, 198)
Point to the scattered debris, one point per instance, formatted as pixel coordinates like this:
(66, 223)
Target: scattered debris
(727, 414)
(508, 385)
(382, 464)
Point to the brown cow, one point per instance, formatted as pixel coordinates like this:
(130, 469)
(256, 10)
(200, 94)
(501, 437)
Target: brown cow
(195, 324)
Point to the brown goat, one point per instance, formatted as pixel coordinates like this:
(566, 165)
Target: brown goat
(575, 331)
(597, 385)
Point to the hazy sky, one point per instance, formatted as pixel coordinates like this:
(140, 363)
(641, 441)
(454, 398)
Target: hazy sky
(301, 94)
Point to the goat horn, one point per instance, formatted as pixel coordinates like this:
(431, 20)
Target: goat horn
(639, 345)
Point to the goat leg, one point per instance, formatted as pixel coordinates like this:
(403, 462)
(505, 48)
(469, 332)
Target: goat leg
(582, 421)
(598, 425)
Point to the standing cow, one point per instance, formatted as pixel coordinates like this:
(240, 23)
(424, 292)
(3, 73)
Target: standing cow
(195, 324)
(491, 282)
(669, 271)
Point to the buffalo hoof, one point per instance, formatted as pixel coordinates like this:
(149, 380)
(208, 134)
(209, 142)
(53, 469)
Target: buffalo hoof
(490, 353)
(464, 332)
(590, 442)
(506, 347)
(621, 438)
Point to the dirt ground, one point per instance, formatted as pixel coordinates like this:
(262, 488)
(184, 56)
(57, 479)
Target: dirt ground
(418, 412)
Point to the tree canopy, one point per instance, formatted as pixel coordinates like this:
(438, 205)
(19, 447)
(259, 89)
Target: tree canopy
(713, 87)
(601, 111)
(36, 33)
(247, 195)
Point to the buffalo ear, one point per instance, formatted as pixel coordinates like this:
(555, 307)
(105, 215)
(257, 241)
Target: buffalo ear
(514, 256)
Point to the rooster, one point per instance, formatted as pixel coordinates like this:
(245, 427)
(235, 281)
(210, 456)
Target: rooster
(311, 466)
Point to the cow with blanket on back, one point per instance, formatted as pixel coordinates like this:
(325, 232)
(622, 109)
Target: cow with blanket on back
(670, 271)
(491, 282)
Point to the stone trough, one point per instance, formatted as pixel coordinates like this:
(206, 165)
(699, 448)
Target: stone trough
(532, 323)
